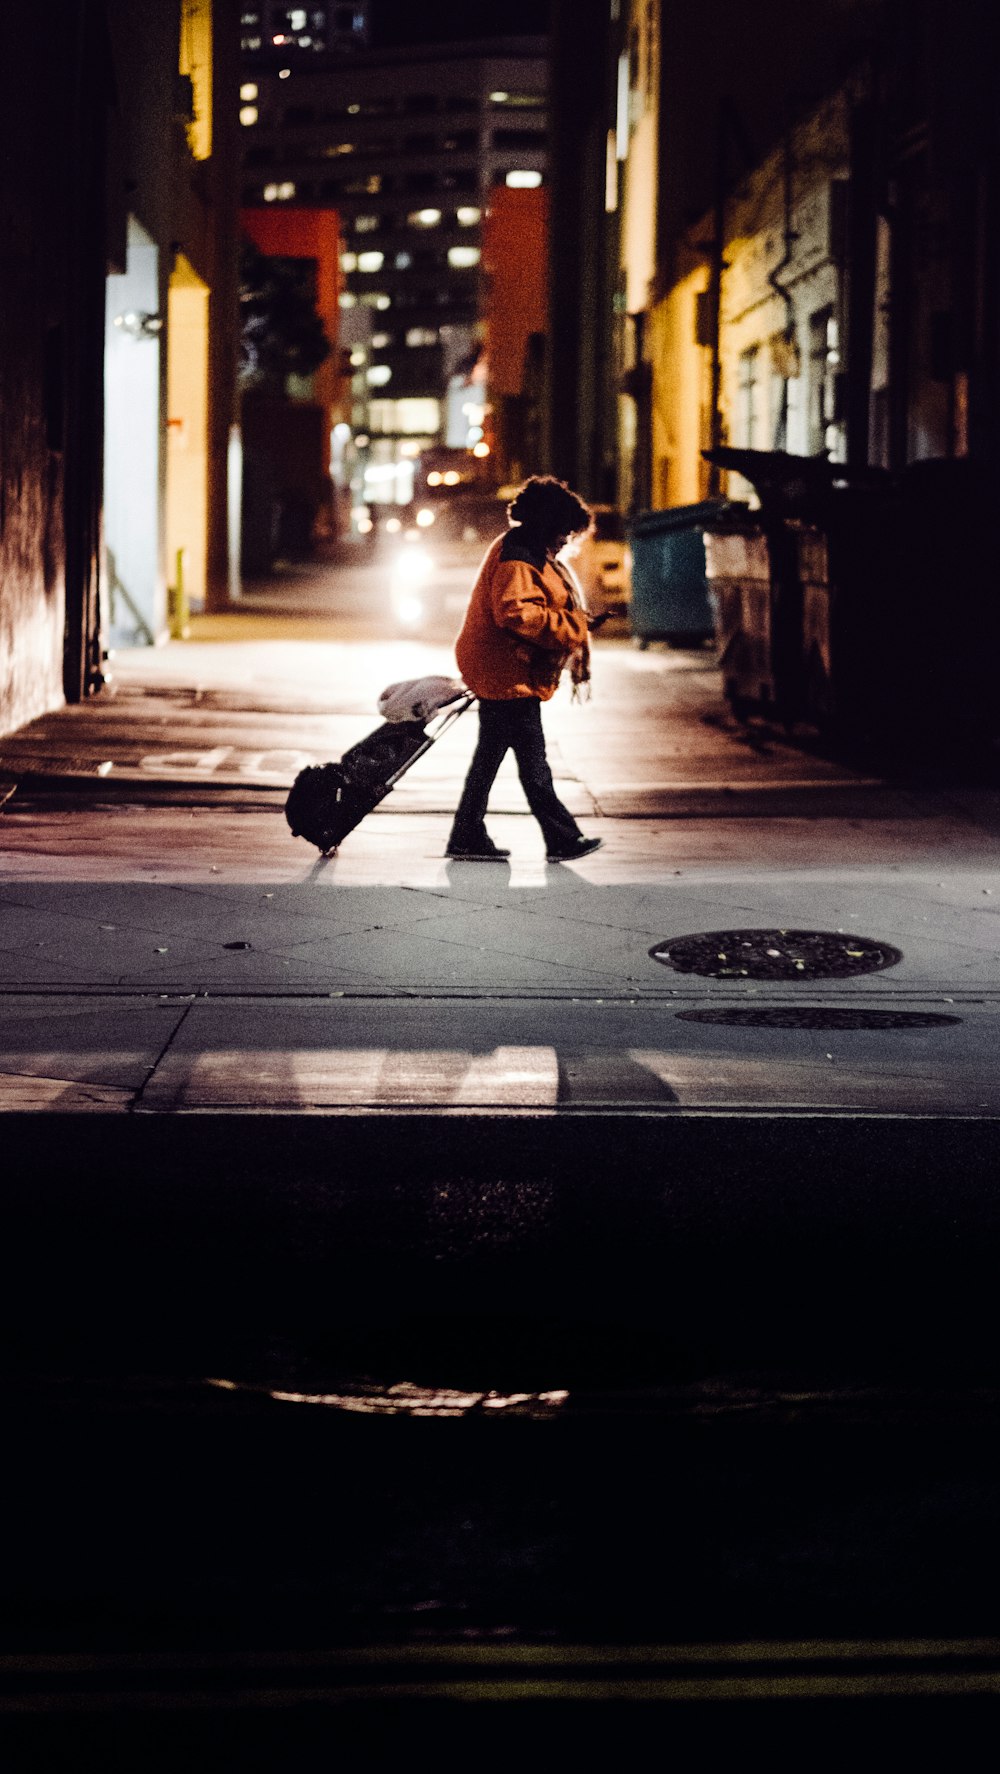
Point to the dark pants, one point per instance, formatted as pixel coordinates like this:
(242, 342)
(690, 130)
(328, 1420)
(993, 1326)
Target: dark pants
(512, 726)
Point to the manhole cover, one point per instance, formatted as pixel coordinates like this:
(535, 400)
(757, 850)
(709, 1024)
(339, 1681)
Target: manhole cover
(791, 1016)
(775, 954)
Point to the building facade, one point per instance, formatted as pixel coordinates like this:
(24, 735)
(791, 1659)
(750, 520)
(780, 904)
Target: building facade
(117, 330)
(170, 317)
(780, 350)
(819, 216)
(408, 147)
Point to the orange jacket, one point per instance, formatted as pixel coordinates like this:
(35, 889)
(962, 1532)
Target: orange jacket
(521, 626)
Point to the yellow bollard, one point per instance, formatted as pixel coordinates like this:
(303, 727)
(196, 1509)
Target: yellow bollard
(177, 604)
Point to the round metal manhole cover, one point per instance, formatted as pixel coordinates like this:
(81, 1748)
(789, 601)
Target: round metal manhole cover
(792, 1016)
(775, 954)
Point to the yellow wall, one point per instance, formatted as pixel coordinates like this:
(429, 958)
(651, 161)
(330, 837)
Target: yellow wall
(681, 389)
(187, 426)
(195, 60)
(753, 315)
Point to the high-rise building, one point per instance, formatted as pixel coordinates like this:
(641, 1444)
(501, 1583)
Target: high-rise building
(408, 146)
(301, 33)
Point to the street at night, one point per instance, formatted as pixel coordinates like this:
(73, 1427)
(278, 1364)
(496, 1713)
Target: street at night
(584, 1269)
(499, 1257)
(158, 889)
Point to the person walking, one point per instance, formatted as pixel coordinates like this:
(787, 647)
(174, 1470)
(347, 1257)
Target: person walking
(523, 626)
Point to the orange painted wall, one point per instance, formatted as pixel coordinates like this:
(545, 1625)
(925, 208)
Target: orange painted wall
(282, 233)
(515, 260)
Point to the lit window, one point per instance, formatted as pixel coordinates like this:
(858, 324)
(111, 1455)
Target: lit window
(424, 218)
(422, 335)
(383, 302)
(347, 299)
(348, 261)
(462, 257)
(523, 181)
(468, 216)
(357, 358)
(249, 90)
(403, 261)
(283, 73)
(270, 193)
(248, 115)
(336, 149)
(378, 375)
(519, 101)
(417, 415)
(380, 341)
(366, 224)
(298, 18)
(286, 190)
(370, 261)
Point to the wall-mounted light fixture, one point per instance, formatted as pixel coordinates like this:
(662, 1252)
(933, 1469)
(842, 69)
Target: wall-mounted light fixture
(138, 325)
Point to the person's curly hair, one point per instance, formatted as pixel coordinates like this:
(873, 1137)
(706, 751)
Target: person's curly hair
(548, 507)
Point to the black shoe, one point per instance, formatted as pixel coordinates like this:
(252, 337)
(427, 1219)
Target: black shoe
(477, 852)
(572, 852)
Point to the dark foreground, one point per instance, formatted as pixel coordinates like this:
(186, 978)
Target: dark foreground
(354, 1433)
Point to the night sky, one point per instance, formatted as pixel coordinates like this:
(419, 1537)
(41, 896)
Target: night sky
(436, 21)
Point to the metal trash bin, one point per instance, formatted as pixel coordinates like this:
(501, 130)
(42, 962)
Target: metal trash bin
(738, 570)
(669, 590)
(948, 613)
(852, 626)
(779, 644)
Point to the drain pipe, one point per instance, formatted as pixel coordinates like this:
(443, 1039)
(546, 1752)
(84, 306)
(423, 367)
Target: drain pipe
(780, 439)
(718, 265)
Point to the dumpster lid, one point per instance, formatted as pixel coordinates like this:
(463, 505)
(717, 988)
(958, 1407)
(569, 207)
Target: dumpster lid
(794, 486)
(683, 517)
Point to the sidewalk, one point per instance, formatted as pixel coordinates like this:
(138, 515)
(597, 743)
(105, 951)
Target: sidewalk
(165, 945)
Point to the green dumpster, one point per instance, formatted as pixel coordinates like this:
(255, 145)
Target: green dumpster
(669, 594)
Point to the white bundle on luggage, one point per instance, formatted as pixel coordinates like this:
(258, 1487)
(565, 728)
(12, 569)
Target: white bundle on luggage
(418, 699)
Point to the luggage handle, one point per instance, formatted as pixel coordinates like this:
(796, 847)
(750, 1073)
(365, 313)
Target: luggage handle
(446, 718)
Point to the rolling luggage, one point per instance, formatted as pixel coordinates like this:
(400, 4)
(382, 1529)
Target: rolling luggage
(327, 801)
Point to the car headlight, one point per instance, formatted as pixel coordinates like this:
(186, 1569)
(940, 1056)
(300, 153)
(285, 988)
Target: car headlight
(409, 609)
(411, 568)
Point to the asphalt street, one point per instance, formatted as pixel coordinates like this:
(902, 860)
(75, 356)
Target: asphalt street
(160, 925)
(408, 1260)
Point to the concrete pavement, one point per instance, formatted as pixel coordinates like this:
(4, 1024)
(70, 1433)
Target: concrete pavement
(165, 945)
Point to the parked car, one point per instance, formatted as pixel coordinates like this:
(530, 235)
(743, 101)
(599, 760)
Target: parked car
(602, 562)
